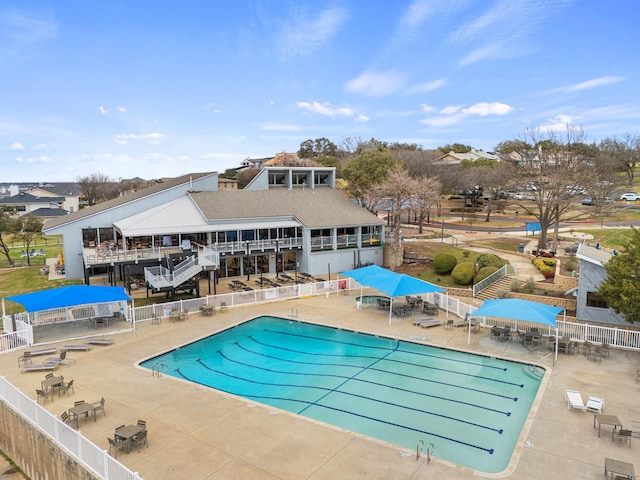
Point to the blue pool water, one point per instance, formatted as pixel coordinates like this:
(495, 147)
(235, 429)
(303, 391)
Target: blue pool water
(470, 407)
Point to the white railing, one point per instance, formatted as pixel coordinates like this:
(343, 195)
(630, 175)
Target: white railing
(87, 453)
(493, 278)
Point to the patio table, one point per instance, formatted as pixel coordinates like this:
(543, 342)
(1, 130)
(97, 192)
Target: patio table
(127, 433)
(78, 410)
(618, 467)
(52, 383)
(602, 419)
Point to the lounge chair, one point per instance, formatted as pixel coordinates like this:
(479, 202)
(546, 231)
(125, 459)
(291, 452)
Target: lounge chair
(42, 351)
(38, 367)
(99, 341)
(77, 347)
(430, 322)
(574, 400)
(61, 359)
(595, 405)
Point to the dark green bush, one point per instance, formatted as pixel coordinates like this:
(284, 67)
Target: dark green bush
(484, 272)
(490, 260)
(462, 274)
(444, 263)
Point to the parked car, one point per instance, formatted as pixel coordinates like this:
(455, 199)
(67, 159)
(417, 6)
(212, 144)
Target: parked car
(630, 197)
(587, 201)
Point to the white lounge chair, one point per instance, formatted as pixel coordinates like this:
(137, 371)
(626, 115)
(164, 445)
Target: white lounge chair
(595, 405)
(574, 400)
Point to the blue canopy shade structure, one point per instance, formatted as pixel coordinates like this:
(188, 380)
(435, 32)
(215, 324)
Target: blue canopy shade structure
(69, 296)
(518, 309)
(392, 283)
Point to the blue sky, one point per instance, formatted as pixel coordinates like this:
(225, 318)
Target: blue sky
(155, 88)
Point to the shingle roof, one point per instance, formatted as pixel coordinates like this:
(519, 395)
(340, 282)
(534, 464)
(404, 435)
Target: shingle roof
(164, 185)
(314, 208)
(24, 198)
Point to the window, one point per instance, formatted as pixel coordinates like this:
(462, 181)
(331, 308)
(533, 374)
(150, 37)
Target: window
(321, 179)
(277, 178)
(595, 300)
(299, 178)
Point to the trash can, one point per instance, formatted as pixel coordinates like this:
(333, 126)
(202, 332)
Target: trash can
(521, 248)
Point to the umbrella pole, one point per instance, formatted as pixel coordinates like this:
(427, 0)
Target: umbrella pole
(390, 309)
(468, 328)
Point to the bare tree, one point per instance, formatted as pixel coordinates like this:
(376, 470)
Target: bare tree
(30, 229)
(397, 192)
(96, 188)
(8, 227)
(551, 170)
(426, 193)
(625, 152)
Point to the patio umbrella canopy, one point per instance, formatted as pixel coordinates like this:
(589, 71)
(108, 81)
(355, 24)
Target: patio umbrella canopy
(69, 297)
(392, 283)
(518, 309)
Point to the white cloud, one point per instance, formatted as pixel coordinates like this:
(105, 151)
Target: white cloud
(16, 147)
(102, 110)
(326, 109)
(41, 146)
(426, 108)
(376, 84)
(362, 118)
(453, 114)
(150, 138)
(304, 35)
(31, 160)
(280, 127)
(122, 109)
(451, 109)
(484, 108)
(27, 29)
(427, 87)
(594, 83)
(558, 123)
(416, 13)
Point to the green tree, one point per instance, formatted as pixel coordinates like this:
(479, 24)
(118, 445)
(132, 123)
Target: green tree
(456, 148)
(621, 289)
(320, 147)
(30, 229)
(364, 173)
(8, 228)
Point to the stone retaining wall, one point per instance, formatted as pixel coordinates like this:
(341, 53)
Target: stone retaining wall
(35, 453)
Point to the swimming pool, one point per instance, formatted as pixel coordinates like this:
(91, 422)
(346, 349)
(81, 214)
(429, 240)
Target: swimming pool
(471, 408)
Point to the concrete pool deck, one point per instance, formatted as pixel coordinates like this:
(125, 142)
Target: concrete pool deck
(199, 433)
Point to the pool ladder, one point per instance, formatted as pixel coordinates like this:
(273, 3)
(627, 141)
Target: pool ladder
(158, 368)
(420, 448)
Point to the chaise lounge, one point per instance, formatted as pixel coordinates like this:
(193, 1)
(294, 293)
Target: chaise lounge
(38, 367)
(429, 322)
(574, 400)
(78, 347)
(99, 341)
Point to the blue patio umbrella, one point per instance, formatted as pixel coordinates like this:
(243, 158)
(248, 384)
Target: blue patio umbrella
(392, 283)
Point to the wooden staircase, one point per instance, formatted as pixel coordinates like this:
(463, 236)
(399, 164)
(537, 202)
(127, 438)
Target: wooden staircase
(497, 289)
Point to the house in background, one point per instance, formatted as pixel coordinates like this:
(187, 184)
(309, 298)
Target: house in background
(453, 158)
(591, 307)
(286, 219)
(43, 201)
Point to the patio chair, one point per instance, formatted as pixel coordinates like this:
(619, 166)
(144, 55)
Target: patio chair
(61, 359)
(140, 439)
(41, 394)
(448, 325)
(97, 406)
(574, 400)
(142, 423)
(595, 405)
(65, 387)
(624, 435)
(48, 375)
(116, 444)
(604, 349)
(69, 420)
(24, 359)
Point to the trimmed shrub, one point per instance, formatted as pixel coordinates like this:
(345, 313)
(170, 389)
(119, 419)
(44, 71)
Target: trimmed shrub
(545, 266)
(484, 272)
(490, 260)
(444, 263)
(462, 274)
